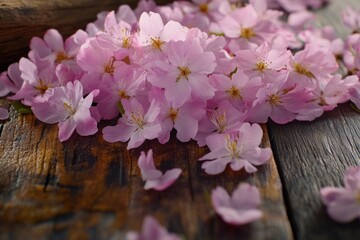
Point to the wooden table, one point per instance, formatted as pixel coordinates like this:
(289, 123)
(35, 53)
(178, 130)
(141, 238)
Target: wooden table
(87, 188)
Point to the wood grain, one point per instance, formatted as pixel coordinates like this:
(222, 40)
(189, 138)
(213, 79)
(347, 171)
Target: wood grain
(87, 188)
(312, 155)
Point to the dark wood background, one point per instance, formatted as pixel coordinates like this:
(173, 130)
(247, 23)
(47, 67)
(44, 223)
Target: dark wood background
(87, 188)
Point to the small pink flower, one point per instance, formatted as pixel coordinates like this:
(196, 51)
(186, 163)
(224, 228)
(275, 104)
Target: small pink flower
(10, 81)
(154, 178)
(239, 209)
(239, 149)
(343, 203)
(355, 95)
(67, 107)
(4, 113)
(152, 230)
(135, 125)
(185, 72)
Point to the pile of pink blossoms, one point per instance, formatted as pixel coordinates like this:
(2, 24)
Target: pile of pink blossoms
(210, 69)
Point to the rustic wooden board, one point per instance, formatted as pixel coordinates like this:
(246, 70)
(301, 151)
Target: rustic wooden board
(87, 188)
(311, 155)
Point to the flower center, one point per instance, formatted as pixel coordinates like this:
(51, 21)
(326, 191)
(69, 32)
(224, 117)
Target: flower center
(247, 33)
(123, 95)
(137, 118)
(109, 67)
(233, 149)
(300, 69)
(204, 8)
(125, 40)
(69, 109)
(183, 72)
(173, 114)
(261, 66)
(219, 120)
(234, 93)
(275, 100)
(61, 56)
(42, 87)
(156, 43)
(357, 196)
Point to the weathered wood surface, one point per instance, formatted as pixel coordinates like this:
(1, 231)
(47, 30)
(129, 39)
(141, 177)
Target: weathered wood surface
(87, 188)
(312, 155)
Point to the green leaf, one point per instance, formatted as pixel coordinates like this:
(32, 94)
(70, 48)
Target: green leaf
(354, 107)
(121, 108)
(21, 108)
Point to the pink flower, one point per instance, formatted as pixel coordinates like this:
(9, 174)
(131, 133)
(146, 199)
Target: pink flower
(154, 178)
(185, 72)
(241, 208)
(279, 101)
(152, 230)
(135, 124)
(239, 89)
(351, 19)
(67, 107)
(244, 23)
(355, 95)
(54, 49)
(36, 83)
(239, 149)
(127, 82)
(223, 119)
(154, 33)
(343, 203)
(185, 119)
(4, 113)
(314, 62)
(264, 61)
(10, 81)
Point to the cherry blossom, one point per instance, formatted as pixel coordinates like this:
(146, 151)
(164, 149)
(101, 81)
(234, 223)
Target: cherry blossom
(151, 230)
(135, 125)
(154, 178)
(239, 149)
(4, 113)
(239, 209)
(343, 203)
(67, 107)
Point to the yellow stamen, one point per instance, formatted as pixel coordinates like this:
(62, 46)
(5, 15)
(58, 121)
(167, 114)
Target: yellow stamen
(184, 72)
(247, 33)
(357, 196)
(234, 93)
(275, 100)
(137, 118)
(204, 8)
(123, 94)
(261, 66)
(156, 43)
(42, 87)
(300, 69)
(219, 120)
(109, 67)
(61, 56)
(233, 148)
(69, 109)
(173, 114)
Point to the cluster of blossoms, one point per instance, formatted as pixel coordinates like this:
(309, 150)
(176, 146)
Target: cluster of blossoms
(210, 69)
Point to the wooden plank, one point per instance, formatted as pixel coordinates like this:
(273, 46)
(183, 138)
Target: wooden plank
(87, 188)
(312, 155)
(315, 154)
